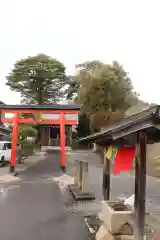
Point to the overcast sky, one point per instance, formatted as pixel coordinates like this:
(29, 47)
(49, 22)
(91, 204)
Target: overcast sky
(74, 31)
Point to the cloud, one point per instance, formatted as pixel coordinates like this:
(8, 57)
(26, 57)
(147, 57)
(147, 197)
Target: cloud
(76, 31)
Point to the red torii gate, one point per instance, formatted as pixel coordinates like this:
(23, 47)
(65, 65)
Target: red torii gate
(50, 114)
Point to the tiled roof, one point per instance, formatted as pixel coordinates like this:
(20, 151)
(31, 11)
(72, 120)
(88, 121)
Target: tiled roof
(134, 123)
(40, 107)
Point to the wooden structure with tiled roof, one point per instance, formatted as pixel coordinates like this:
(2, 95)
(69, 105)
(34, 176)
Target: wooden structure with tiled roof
(139, 129)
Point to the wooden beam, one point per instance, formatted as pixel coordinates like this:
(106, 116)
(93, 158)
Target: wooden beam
(140, 185)
(39, 121)
(40, 111)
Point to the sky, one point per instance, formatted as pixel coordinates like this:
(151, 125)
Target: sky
(75, 31)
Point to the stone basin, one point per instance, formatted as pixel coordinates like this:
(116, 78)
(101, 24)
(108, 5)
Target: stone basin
(117, 218)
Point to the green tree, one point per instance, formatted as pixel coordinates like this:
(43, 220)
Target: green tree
(73, 87)
(83, 128)
(39, 79)
(26, 130)
(104, 90)
(26, 146)
(75, 82)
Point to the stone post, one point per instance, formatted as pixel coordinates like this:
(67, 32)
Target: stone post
(84, 169)
(78, 173)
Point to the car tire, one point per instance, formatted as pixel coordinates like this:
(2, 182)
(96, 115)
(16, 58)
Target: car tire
(2, 161)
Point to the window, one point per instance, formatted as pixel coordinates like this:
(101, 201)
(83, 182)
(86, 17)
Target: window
(1, 146)
(7, 146)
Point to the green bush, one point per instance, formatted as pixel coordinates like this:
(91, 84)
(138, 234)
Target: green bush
(26, 149)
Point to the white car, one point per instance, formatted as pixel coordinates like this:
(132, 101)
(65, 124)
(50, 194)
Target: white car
(5, 151)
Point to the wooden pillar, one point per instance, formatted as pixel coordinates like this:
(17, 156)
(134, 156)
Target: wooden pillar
(14, 143)
(106, 178)
(62, 142)
(140, 185)
(70, 136)
(49, 135)
(136, 176)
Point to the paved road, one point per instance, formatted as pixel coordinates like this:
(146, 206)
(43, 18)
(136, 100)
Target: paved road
(35, 209)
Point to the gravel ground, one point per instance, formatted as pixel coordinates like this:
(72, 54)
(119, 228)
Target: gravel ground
(122, 186)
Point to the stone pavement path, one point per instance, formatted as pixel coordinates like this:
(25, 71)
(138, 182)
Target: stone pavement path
(34, 208)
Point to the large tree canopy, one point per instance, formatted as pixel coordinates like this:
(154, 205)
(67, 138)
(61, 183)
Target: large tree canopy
(39, 79)
(104, 90)
(76, 81)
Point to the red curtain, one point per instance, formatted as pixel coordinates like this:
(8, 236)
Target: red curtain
(124, 159)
